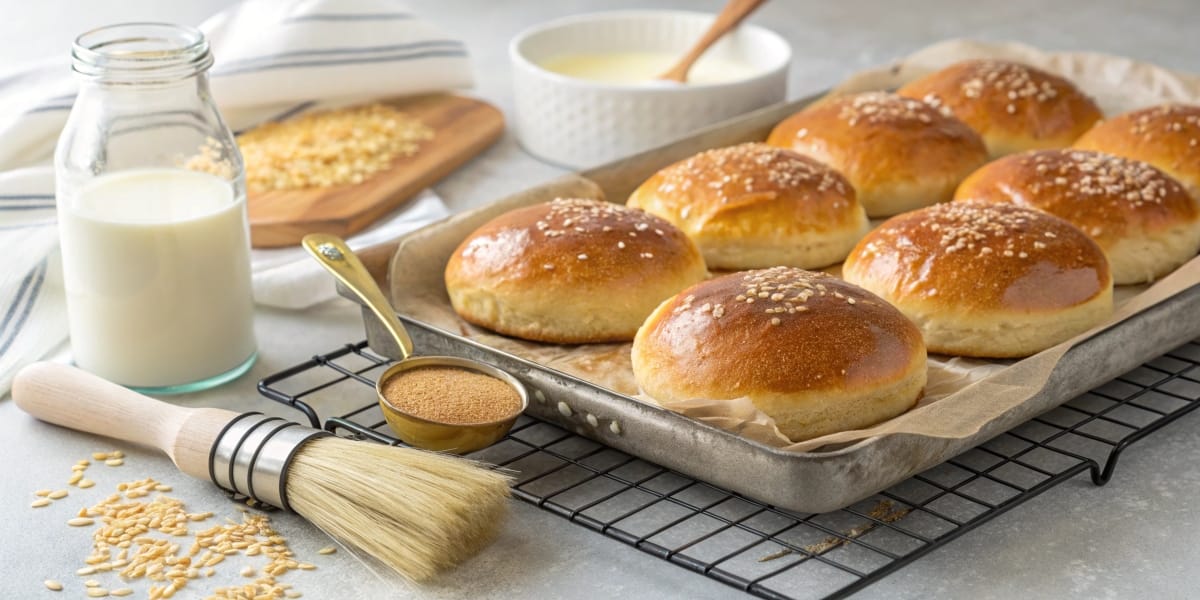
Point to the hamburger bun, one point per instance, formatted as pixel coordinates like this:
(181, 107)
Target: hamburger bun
(570, 271)
(1014, 107)
(813, 352)
(1144, 220)
(898, 153)
(986, 280)
(752, 206)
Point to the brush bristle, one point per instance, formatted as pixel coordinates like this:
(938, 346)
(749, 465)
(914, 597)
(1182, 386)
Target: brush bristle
(417, 512)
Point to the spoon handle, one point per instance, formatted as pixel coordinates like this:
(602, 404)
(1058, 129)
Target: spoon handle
(735, 12)
(338, 259)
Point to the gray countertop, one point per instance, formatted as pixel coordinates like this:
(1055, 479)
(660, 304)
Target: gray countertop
(1134, 537)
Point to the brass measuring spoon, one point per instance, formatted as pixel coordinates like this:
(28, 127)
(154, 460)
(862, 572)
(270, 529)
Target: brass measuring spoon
(333, 254)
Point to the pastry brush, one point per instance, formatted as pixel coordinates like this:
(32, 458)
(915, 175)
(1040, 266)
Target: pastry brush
(415, 511)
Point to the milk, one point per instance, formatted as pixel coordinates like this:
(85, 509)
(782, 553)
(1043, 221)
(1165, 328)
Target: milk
(157, 272)
(644, 67)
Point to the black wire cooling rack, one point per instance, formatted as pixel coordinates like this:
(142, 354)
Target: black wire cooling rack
(763, 550)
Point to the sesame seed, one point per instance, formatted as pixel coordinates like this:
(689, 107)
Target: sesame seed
(582, 257)
(1015, 80)
(775, 321)
(1093, 177)
(721, 170)
(883, 107)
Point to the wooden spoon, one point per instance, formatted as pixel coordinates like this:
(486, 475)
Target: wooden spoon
(735, 12)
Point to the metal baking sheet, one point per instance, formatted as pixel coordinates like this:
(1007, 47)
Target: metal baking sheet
(801, 481)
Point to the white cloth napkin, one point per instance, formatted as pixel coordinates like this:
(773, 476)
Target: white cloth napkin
(273, 58)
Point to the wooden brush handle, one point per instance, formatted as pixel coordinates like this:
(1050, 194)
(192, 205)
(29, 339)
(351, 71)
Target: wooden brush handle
(72, 398)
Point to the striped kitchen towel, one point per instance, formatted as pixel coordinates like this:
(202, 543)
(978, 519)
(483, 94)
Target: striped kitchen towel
(273, 58)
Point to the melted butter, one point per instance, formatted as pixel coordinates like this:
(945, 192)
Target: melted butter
(644, 67)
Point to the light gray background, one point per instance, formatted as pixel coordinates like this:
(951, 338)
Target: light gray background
(1135, 537)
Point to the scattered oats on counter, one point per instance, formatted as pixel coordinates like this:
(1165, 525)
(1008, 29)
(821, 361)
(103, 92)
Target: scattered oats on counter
(122, 543)
(326, 148)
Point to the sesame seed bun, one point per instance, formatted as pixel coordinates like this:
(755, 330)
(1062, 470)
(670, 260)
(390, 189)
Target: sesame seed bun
(1166, 136)
(1014, 107)
(898, 153)
(816, 354)
(986, 280)
(570, 271)
(1144, 220)
(752, 205)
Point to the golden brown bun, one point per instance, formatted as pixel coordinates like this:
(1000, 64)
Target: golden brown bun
(899, 153)
(1014, 107)
(1144, 221)
(813, 352)
(752, 205)
(570, 271)
(1166, 136)
(989, 280)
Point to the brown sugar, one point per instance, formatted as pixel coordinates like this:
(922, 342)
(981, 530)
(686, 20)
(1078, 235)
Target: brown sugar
(451, 395)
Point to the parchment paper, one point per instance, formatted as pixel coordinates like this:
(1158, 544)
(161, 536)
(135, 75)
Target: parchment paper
(962, 395)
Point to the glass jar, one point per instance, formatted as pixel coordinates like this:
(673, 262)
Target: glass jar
(152, 215)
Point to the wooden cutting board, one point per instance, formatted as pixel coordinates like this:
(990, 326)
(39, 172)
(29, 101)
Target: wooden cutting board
(463, 127)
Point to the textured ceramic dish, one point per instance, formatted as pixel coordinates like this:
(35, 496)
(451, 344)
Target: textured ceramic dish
(579, 123)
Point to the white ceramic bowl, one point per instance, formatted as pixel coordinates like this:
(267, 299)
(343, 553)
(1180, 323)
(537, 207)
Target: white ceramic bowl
(580, 123)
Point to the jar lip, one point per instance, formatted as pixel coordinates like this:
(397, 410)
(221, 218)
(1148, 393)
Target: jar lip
(141, 51)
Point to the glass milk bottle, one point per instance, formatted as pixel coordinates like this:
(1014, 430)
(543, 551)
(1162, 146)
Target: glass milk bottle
(152, 215)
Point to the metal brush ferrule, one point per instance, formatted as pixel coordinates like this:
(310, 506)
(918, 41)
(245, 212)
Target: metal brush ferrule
(252, 454)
